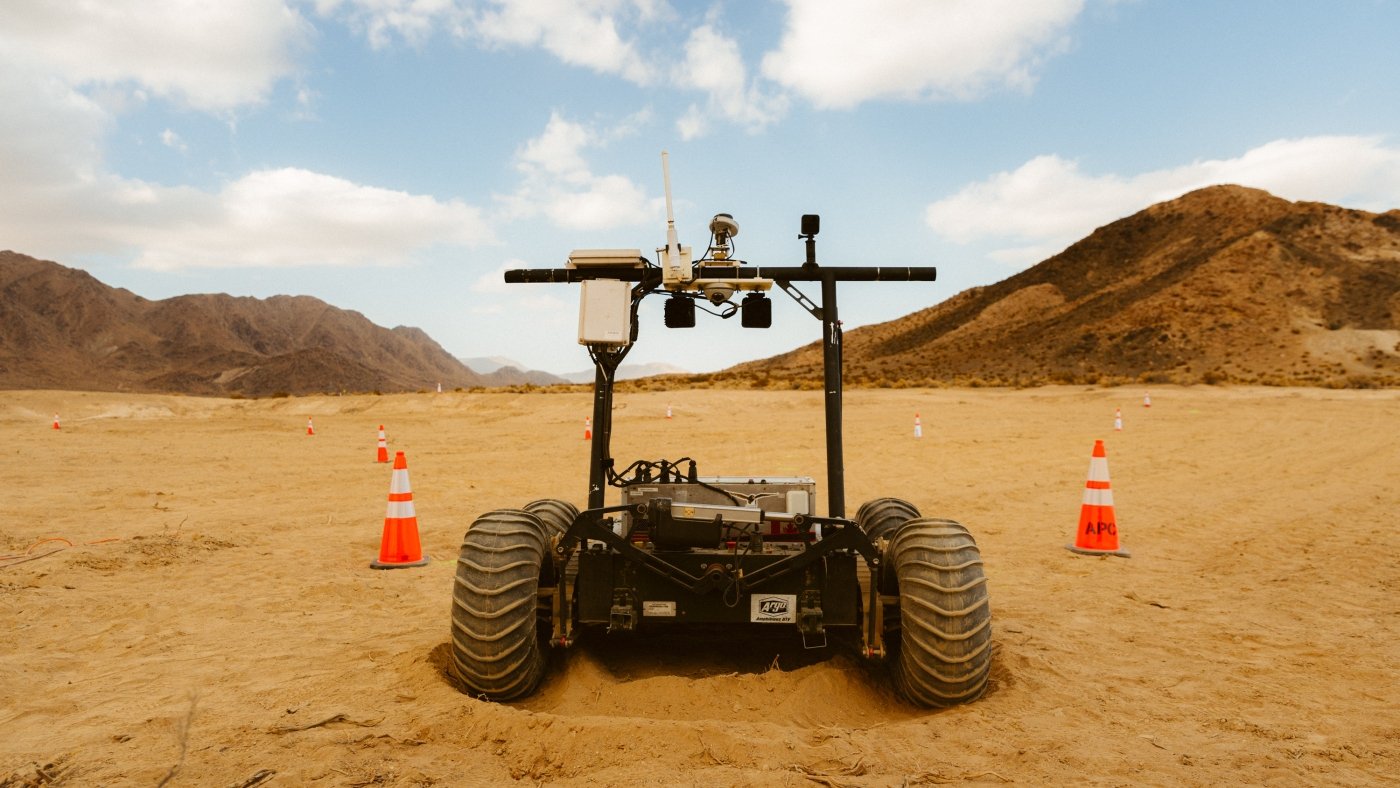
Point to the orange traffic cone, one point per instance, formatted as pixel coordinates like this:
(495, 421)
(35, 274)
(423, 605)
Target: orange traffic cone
(383, 454)
(1098, 527)
(310, 430)
(1147, 400)
(918, 427)
(399, 547)
(668, 410)
(588, 428)
(55, 422)
(1117, 419)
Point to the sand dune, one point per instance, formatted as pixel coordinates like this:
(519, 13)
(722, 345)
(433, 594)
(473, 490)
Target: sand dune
(206, 587)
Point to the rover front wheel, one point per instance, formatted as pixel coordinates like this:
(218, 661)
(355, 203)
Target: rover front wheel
(945, 643)
(496, 648)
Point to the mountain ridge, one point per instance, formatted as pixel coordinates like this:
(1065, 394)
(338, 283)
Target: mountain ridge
(1223, 284)
(61, 327)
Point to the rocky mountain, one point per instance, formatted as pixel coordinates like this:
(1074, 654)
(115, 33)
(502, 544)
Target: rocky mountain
(628, 372)
(62, 328)
(1225, 284)
(501, 371)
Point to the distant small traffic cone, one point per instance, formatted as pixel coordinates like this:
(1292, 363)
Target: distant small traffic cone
(1118, 419)
(383, 454)
(668, 410)
(1147, 400)
(1098, 527)
(918, 427)
(399, 546)
(310, 430)
(587, 428)
(439, 388)
(55, 422)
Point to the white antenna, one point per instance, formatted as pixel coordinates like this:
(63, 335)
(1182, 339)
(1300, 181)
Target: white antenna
(674, 267)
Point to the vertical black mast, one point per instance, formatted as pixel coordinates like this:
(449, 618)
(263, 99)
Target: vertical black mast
(831, 374)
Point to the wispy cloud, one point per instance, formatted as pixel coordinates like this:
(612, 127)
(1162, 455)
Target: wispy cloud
(174, 141)
(1048, 203)
(714, 65)
(558, 183)
(592, 34)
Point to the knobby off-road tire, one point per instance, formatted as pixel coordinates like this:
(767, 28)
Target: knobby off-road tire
(880, 518)
(945, 644)
(556, 515)
(496, 648)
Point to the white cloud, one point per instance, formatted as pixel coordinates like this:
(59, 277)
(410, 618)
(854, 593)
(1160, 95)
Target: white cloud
(58, 197)
(838, 53)
(713, 64)
(47, 126)
(494, 283)
(293, 217)
(1048, 202)
(381, 21)
(211, 56)
(558, 183)
(587, 33)
(578, 32)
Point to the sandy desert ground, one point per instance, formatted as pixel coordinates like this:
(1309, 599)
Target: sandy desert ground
(215, 614)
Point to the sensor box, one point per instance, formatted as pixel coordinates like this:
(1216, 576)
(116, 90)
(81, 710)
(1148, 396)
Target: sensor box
(592, 258)
(605, 312)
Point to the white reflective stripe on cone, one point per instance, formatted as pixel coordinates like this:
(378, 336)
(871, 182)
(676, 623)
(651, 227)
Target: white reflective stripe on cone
(1098, 497)
(400, 510)
(399, 482)
(1098, 469)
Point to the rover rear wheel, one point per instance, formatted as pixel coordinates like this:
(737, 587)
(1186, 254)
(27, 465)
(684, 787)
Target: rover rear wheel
(556, 515)
(882, 515)
(878, 518)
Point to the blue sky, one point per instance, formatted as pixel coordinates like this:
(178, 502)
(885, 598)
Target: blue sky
(393, 156)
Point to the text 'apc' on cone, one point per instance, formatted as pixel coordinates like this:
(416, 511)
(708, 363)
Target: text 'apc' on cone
(1098, 526)
(399, 547)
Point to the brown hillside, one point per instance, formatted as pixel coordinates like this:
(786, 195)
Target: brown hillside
(62, 328)
(1222, 284)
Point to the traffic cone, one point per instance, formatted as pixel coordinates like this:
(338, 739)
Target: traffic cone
(1117, 419)
(55, 421)
(588, 428)
(1098, 527)
(918, 427)
(383, 454)
(668, 410)
(399, 547)
(1147, 400)
(310, 430)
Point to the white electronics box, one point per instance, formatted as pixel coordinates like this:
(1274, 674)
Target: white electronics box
(605, 312)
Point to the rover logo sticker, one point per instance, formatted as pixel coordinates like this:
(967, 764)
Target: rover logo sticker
(773, 608)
